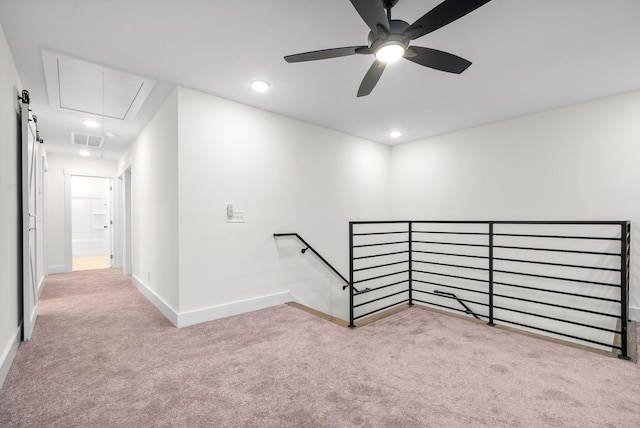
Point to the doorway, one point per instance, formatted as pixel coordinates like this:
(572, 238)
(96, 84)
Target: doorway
(91, 221)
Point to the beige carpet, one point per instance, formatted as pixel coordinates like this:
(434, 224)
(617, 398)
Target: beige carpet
(102, 356)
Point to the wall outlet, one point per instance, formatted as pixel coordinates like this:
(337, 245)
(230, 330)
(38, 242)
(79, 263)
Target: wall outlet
(236, 217)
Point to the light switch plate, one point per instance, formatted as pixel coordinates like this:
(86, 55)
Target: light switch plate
(237, 217)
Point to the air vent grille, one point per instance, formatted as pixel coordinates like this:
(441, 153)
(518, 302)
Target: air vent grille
(86, 140)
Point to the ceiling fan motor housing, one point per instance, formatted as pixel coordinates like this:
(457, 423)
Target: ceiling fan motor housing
(395, 35)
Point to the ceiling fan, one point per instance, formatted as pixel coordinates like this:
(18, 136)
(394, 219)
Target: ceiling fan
(389, 39)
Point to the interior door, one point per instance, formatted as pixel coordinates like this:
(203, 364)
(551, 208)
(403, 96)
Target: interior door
(29, 223)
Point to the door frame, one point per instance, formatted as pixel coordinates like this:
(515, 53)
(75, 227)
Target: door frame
(68, 259)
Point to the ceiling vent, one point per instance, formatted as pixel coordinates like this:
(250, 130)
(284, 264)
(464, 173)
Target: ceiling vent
(86, 140)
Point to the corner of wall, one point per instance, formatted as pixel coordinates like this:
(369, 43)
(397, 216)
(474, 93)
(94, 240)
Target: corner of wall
(166, 309)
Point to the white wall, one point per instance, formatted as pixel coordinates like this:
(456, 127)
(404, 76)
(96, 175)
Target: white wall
(576, 163)
(10, 302)
(153, 158)
(56, 221)
(288, 176)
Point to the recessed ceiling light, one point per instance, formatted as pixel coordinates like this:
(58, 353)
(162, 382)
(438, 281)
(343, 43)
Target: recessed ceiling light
(395, 134)
(91, 124)
(84, 153)
(260, 85)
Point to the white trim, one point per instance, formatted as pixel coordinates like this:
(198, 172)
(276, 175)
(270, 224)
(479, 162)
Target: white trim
(9, 354)
(634, 313)
(68, 259)
(41, 286)
(236, 308)
(157, 301)
(57, 269)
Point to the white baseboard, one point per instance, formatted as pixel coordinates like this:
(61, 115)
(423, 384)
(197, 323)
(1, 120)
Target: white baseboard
(57, 269)
(198, 316)
(9, 353)
(235, 308)
(157, 301)
(634, 313)
(40, 287)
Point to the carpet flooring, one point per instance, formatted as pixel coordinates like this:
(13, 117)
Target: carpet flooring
(103, 356)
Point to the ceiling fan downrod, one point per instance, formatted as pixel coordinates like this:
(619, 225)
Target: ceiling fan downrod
(388, 4)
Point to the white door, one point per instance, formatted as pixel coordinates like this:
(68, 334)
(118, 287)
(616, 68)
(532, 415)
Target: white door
(29, 253)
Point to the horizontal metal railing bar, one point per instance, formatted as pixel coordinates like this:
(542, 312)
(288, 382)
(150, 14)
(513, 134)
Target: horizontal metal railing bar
(538, 262)
(380, 276)
(382, 265)
(557, 250)
(381, 309)
(379, 244)
(556, 319)
(515, 222)
(437, 232)
(558, 278)
(609, 345)
(437, 253)
(380, 233)
(451, 276)
(380, 298)
(369, 290)
(381, 255)
(601, 238)
(450, 286)
(451, 265)
(573, 308)
(564, 293)
(562, 222)
(460, 244)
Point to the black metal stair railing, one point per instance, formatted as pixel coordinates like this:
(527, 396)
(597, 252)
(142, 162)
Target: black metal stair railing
(308, 247)
(564, 279)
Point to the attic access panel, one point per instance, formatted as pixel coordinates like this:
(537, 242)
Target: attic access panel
(81, 86)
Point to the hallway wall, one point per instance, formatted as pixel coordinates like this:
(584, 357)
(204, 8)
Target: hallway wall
(153, 158)
(580, 162)
(201, 153)
(10, 229)
(288, 176)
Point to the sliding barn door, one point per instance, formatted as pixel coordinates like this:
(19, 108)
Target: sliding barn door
(29, 253)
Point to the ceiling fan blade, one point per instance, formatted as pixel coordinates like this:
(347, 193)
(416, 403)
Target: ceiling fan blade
(372, 13)
(436, 59)
(443, 14)
(371, 78)
(324, 54)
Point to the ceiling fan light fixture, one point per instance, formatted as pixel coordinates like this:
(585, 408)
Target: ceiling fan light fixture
(390, 52)
(260, 85)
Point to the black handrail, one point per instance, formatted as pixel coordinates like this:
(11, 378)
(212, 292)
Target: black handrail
(453, 296)
(309, 247)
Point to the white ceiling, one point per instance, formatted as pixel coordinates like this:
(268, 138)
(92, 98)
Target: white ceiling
(527, 56)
